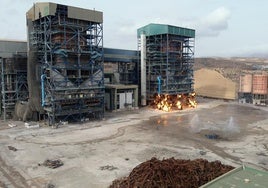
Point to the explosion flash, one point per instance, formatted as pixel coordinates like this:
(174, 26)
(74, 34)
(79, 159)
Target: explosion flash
(168, 103)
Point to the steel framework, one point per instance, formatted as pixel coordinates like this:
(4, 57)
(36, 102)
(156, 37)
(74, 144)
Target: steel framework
(70, 55)
(127, 73)
(13, 83)
(169, 64)
(123, 62)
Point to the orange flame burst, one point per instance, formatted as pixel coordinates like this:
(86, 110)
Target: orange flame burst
(168, 103)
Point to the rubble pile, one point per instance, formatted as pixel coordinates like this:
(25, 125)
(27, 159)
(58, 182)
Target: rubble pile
(175, 173)
(52, 163)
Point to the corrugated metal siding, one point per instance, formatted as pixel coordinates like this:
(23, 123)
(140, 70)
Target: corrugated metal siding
(119, 55)
(245, 83)
(48, 8)
(85, 14)
(8, 48)
(259, 84)
(41, 9)
(158, 29)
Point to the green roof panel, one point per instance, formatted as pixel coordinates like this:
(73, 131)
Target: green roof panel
(241, 177)
(158, 29)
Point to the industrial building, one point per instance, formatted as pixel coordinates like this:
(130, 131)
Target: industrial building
(65, 62)
(72, 77)
(64, 74)
(121, 79)
(167, 57)
(120, 71)
(253, 88)
(13, 70)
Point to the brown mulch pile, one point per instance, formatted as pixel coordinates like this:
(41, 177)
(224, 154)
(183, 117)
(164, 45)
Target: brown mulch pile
(169, 173)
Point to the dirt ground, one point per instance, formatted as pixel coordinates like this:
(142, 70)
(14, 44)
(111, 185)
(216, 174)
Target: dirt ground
(95, 153)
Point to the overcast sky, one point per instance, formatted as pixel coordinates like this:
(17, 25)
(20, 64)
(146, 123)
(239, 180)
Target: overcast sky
(223, 27)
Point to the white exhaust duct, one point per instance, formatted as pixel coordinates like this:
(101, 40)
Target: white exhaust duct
(143, 70)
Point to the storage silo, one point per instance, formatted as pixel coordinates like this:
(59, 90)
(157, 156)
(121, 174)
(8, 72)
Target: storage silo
(245, 89)
(259, 84)
(245, 83)
(259, 89)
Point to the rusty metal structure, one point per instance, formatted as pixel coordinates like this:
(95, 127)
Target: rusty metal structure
(14, 87)
(260, 89)
(65, 62)
(167, 57)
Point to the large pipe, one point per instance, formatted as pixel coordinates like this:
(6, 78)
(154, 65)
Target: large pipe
(3, 88)
(159, 84)
(143, 70)
(43, 77)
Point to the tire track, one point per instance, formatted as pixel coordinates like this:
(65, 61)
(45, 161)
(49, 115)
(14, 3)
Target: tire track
(13, 177)
(120, 132)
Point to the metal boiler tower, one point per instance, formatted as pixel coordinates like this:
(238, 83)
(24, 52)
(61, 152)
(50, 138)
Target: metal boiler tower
(14, 89)
(167, 57)
(65, 62)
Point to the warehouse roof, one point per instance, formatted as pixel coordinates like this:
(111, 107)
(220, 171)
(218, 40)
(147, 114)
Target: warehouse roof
(47, 8)
(158, 29)
(120, 55)
(241, 177)
(10, 47)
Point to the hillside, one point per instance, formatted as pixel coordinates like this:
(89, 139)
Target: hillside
(232, 68)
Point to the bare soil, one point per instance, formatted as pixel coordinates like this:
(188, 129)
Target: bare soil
(96, 153)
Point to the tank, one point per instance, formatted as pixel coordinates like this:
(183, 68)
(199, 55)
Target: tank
(245, 83)
(259, 84)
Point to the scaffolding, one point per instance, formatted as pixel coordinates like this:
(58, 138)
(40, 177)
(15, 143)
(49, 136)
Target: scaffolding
(127, 73)
(122, 64)
(14, 86)
(169, 59)
(67, 45)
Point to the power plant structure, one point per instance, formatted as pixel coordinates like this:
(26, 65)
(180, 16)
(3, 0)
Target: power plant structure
(72, 77)
(65, 62)
(13, 76)
(167, 57)
(121, 79)
(253, 88)
(14, 85)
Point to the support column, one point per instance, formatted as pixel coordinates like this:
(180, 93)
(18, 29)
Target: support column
(136, 97)
(143, 70)
(3, 88)
(115, 99)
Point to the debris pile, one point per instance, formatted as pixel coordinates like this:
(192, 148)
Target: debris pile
(12, 148)
(108, 167)
(172, 172)
(52, 163)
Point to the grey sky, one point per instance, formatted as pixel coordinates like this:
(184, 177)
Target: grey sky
(223, 27)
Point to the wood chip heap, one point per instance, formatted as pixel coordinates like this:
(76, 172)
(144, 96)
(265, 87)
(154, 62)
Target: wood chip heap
(169, 173)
